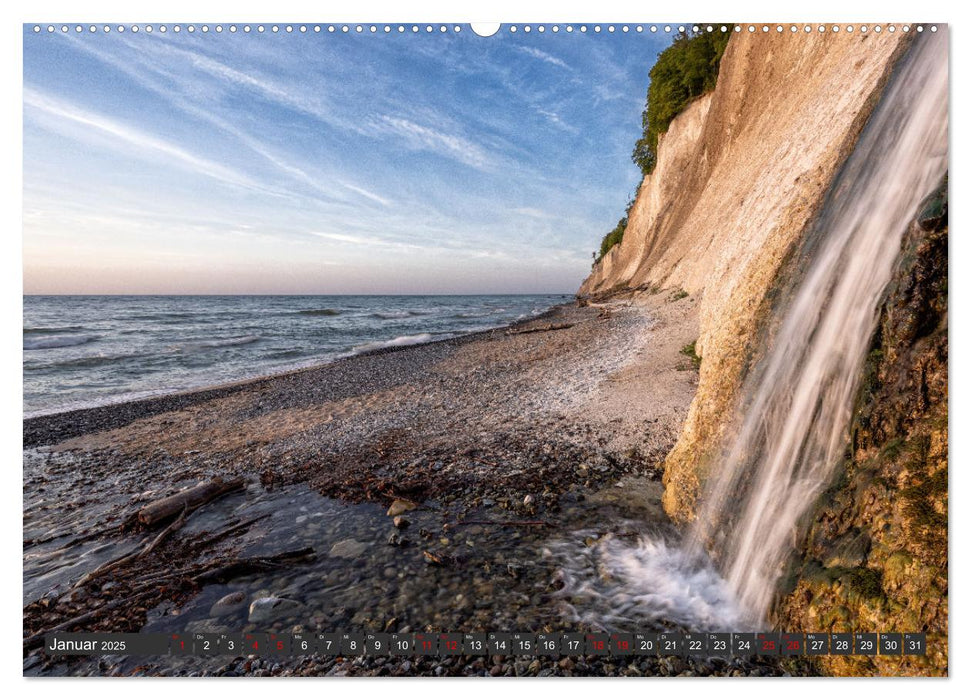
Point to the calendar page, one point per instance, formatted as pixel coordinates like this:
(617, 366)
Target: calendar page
(601, 349)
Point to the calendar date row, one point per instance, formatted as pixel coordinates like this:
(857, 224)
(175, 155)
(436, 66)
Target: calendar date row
(700, 644)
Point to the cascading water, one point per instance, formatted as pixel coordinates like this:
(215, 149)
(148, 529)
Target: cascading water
(796, 404)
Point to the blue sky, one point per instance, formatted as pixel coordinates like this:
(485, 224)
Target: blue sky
(326, 163)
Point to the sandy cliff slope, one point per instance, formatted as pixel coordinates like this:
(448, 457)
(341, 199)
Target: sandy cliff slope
(740, 174)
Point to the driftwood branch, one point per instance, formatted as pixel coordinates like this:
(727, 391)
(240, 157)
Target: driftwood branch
(128, 558)
(242, 567)
(540, 329)
(188, 500)
(229, 530)
(220, 571)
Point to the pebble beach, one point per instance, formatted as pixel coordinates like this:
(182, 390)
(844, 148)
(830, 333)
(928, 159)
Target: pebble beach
(435, 487)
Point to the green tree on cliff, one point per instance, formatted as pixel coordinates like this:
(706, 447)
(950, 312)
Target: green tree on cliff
(687, 69)
(683, 71)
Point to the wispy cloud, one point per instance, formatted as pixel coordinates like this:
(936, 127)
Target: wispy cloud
(421, 137)
(142, 141)
(372, 155)
(543, 56)
(143, 73)
(368, 194)
(533, 213)
(418, 136)
(304, 102)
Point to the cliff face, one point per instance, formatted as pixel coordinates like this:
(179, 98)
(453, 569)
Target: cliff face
(740, 174)
(876, 554)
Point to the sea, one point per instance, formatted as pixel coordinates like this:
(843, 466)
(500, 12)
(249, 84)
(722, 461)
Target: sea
(83, 351)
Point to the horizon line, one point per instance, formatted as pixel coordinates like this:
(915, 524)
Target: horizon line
(296, 294)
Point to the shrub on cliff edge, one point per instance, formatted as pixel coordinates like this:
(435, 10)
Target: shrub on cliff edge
(683, 71)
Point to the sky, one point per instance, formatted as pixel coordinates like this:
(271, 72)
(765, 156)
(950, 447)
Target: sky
(319, 163)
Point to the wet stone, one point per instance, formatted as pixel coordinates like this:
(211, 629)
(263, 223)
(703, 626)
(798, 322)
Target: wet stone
(348, 549)
(264, 610)
(400, 506)
(228, 604)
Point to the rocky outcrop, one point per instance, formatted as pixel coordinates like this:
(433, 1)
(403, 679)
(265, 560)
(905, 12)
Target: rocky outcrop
(875, 556)
(740, 175)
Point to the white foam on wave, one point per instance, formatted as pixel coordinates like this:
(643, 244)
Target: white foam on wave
(618, 584)
(401, 340)
(60, 341)
(216, 343)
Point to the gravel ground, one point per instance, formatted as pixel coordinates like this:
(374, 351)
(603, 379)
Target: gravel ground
(502, 439)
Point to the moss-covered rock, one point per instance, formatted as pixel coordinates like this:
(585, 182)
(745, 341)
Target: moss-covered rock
(875, 557)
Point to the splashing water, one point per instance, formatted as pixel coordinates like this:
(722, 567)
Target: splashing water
(650, 585)
(796, 404)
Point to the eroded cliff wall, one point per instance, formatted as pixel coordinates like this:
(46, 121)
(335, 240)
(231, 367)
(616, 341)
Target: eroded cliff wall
(740, 174)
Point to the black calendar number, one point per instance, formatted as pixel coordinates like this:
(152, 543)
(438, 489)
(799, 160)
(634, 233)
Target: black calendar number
(866, 643)
(377, 644)
(670, 643)
(743, 644)
(230, 644)
(499, 644)
(841, 643)
(891, 644)
(645, 644)
(548, 644)
(523, 643)
(695, 644)
(475, 644)
(817, 643)
(352, 645)
(205, 644)
(915, 643)
(402, 645)
(303, 644)
(572, 644)
(329, 644)
(719, 644)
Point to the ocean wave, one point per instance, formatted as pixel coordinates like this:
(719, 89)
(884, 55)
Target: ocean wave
(87, 362)
(319, 312)
(392, 315)
(51, 330)
(478, 314)
(164, 316)
(400, 341)
(63, 341)
(217, 343)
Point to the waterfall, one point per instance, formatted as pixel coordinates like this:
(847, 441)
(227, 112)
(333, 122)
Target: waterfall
(796, 403)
